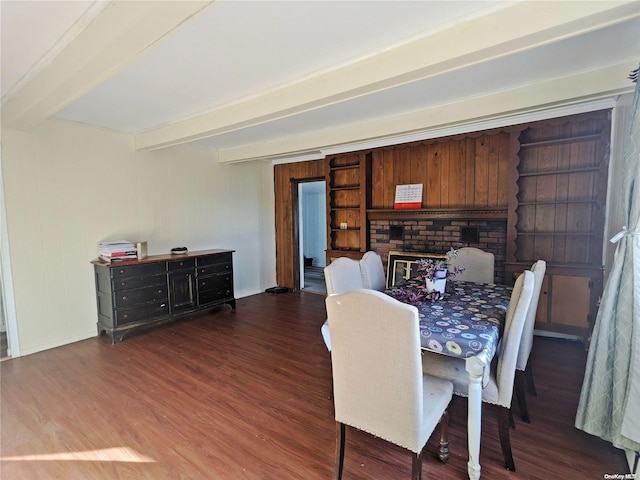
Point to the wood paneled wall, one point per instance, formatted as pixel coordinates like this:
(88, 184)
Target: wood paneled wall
(464, 172)
(286, 177)
(469, 171)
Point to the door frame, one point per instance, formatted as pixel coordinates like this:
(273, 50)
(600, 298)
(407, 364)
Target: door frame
(295, 187)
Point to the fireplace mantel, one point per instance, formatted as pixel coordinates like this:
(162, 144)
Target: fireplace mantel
(437, 213)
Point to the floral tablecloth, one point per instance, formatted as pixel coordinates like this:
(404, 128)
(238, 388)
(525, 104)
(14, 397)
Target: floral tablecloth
(467, 321)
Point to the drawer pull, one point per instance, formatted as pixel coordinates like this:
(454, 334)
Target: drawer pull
(122, 284)
(124, 297)
(121, 271)
(126, 315)
(160, 291)
(163, 305)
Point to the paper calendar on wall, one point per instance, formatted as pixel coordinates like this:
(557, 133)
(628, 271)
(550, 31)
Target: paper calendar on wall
(408, 196)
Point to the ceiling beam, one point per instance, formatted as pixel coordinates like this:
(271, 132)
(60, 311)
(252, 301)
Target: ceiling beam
(467, 114)
(513, 28)
(117, 35)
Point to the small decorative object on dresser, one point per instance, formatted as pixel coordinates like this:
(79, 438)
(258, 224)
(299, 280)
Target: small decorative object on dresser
(141, 249)
(159, 288)
(117, 251)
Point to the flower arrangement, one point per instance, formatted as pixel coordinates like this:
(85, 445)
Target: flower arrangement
(428, 271)
(431, 269)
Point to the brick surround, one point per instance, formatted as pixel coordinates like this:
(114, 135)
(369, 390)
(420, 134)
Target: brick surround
(438, 236)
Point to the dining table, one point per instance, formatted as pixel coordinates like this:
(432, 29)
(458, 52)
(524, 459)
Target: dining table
(464, 322)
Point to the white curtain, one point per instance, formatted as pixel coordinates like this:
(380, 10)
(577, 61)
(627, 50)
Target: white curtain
(610, 398)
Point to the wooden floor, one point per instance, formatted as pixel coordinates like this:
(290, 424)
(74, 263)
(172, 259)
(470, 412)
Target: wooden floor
(244, 395)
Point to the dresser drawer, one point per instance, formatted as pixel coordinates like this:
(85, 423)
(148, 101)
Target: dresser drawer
(147, 311)
(125, 271)
(214, 259)
(129, 298)
(215, 287)
(182, 264)
(214, 269)
(127, 283)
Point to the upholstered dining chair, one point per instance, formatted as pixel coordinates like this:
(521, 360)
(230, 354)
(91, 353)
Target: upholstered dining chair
(499, 383)
(379, 385)
(478, 265)
(524, 373)
(372, 271)
(340, 276)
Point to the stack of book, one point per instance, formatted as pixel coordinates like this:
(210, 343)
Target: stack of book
(117, 251)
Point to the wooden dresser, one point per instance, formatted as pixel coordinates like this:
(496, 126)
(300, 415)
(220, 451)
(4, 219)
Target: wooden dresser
(133, 295)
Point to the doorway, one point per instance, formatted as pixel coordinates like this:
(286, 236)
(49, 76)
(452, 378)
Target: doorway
(312, 238)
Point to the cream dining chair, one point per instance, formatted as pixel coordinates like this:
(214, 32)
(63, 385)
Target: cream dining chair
(478, 265)
(340, 276)
(499, 383)
(372, 271)
(524, 373)
(379, 385)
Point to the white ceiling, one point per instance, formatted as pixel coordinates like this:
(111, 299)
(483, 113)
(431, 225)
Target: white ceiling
(252, 79)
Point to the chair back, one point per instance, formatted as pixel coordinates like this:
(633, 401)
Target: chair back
(342, 275)
(372, 271)
(377, 369)
(539, 268)
(507, 354)
(478, 265)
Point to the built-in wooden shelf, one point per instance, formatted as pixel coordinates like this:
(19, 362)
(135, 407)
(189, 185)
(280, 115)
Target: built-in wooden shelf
(562, 141)
(558, 172)
(567, 268)
(437, 213)
(559, 202)
(558, 234)
(345, 167)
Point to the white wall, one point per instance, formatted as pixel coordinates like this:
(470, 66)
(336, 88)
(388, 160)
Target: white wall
(68, 187)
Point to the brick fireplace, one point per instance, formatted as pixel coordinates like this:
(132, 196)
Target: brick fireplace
(438, 236)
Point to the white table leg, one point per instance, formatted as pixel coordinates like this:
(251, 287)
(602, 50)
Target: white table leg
(475, 368)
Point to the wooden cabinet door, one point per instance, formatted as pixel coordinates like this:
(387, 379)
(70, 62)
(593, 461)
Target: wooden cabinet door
(542, 313)
(182, 291)
(571, 300)
(569, 303)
